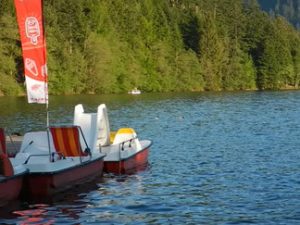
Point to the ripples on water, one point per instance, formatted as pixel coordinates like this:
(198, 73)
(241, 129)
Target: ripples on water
(217, 158)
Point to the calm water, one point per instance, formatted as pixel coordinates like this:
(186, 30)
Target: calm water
(217, 158)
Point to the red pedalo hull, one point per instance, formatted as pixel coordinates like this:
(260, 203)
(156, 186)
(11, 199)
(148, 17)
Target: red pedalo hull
(130, 165)
(46, 184)
(10, 189)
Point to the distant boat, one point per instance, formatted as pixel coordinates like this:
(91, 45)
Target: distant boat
(135, 91)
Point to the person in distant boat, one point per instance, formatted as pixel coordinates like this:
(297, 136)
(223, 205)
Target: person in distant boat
(135, 91)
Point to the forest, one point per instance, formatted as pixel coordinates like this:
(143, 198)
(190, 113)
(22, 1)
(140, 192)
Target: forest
(111, 46)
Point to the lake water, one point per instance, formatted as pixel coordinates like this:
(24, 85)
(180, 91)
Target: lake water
(217, 158)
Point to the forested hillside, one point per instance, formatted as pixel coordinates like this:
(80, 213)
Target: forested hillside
(290, 9)
(111, 46)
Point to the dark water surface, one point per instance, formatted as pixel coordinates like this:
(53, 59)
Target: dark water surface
(217, 158)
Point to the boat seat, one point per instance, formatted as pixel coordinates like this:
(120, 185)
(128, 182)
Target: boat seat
(95, 126)
(2, 142)
(6, 168)
(66, 141)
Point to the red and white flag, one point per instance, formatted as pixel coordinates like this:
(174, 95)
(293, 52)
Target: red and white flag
(30, 21)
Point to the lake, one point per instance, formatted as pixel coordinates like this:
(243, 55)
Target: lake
(217, 158)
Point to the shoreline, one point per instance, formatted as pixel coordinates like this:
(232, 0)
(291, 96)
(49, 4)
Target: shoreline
(188, 91)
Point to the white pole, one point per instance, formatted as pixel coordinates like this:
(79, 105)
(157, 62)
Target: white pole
(47, 111)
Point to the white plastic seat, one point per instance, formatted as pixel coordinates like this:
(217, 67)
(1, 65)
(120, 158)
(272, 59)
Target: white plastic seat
(95, 126)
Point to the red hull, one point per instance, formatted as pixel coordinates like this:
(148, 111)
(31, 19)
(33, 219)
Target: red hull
(46, 184)
(10, 189)
(130, 165)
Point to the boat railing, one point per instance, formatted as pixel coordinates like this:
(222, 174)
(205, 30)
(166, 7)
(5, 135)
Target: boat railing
(122, 148)
(34, 155)
(60, 156)
(122, 144)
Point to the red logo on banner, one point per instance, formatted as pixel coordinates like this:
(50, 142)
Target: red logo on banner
(32, 29)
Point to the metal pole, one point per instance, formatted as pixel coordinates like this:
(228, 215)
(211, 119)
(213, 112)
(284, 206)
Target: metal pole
(47, 121)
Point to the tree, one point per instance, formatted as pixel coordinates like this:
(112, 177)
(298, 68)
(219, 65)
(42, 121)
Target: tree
(213, 52)
(10, 54)
(275, 60)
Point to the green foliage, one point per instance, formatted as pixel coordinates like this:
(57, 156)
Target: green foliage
(101, 46)
(10, 52)
(275, 59)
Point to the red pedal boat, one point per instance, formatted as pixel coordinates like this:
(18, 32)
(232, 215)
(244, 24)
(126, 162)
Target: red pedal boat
(11, 176)
(57, 159)
(125, 153)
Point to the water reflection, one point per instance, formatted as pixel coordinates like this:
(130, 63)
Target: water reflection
(36, 215)
(64, 208)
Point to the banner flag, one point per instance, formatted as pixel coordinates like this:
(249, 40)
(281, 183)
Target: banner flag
(30, 22)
